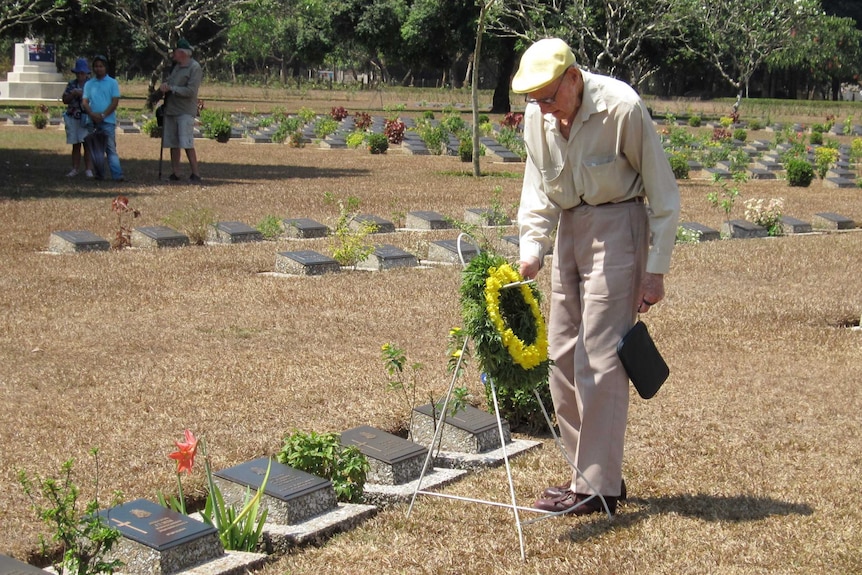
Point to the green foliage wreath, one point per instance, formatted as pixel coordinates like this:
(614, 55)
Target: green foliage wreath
(514, 382)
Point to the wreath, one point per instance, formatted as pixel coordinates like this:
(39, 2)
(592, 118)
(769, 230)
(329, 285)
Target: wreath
(506, 325)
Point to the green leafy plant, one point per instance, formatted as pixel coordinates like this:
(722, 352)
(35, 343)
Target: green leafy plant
(755, 125)
(679, 165)
(323, 454)
(816, 138)
(193, 221)
(726, 197)
(740, 134)
(85, 540)
(824, 158)
(687, 236)
(356, 139)
(215, 124)
(350, 243)
(694, 121)
(435, 136)
(497, 214)
(39, 117)
(377, 143)
(151, 128)
(800, 172)
(306, 115)
(270, 227)
(765, 214)
(324, 127)
(509, 138)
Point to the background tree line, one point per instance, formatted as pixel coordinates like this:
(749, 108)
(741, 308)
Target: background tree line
(766, 48)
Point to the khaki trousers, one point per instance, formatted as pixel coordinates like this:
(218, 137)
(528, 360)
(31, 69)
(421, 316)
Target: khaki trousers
(599, 262)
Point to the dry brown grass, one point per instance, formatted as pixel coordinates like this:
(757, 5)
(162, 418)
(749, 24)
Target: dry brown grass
(746, 462)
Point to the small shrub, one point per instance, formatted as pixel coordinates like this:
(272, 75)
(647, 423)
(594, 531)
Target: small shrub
(816, 138)
(394, 131)
(512, 120)
(151, 128)
(296, 140)
(377, 143)
(725, 121)
(687, 236)
(338, 113)
(484, 119)
(361, 121)
(306, 115)
(193, 221)
(856, 149)
(755, 125)
(427, 115)
(454, 123)
(799, 172)
(824, 158)
(435, 137)
(325, 127)
(279, 114)
(269, 227)
(510, 139)
(465, 150)
(765, 214)
(356, 139)
(322, 454)
(740, 134)
(694, 121)
(679, 165)
(721, 135)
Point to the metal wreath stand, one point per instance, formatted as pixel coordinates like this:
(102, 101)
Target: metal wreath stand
(438, 430)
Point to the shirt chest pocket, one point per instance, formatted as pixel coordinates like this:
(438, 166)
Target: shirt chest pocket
(603, 178)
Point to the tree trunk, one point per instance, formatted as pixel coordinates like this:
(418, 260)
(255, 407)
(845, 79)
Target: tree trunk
(506, 58)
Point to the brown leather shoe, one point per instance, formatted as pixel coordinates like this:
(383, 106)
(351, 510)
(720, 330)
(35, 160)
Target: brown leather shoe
(558, 490)
(567, 501)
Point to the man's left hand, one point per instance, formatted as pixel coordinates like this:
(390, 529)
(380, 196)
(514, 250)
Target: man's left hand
(651, 292)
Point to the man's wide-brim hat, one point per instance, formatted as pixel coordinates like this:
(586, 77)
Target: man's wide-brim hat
(81, 66)
(541, 64)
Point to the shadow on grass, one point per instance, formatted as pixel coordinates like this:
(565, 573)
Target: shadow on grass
(27, 174)
(701, 506)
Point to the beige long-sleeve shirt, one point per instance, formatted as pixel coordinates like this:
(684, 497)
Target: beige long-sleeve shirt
(613, 153)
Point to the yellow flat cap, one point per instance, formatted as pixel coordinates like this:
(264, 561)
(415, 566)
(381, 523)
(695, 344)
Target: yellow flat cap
(541, 64)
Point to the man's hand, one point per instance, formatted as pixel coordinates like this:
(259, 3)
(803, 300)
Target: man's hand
(651, 292)
(530, 268)
(165, 88)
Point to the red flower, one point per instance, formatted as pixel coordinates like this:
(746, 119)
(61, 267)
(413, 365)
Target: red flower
(185, 454)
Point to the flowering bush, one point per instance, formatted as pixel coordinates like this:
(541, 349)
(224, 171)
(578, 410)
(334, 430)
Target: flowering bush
(361, 121)
(824, 158)
(765, 214)
(338, 113)
(512, 120)
(394, 131)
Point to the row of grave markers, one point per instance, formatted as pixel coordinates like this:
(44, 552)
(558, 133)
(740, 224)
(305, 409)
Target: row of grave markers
(302, 507)
(386, 256)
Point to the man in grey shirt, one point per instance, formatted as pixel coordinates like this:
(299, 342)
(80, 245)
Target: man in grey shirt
(180, 91)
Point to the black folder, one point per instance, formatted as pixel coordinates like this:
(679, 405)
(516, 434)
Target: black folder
(642, 361)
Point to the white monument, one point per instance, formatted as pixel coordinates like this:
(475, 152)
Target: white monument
(34, 76)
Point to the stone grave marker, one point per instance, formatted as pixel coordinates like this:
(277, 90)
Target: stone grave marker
(158, 237)
(743, 229)
(705, 233)
(159, 541)
(386, 257)
(68, 242)
(290, 495)
(840, 182)
(306, 263)
(447, 251)
(486, 217)
(392, 459)
(12, 566)
(470, 430)
(761, 174)
(832, 221)
(304, 228)
(791, 225)
(721, 172)
(426, 220)
(381, 226)
(233, 233)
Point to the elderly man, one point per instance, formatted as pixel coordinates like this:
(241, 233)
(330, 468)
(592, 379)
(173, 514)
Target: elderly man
(596, 172)
(180, 91)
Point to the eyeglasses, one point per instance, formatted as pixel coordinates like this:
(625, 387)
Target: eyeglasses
(547, 101)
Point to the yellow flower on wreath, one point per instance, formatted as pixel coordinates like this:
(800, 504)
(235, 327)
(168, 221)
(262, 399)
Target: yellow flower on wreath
(527, 356)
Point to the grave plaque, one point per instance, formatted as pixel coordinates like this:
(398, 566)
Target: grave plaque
(704, 233)
(393, 460)
(794, 226)
(447, 251)
(12, 566)
(381, 226)
(290, 495)
(305, 262)
(486, 217)
(386, 257)
(832, 221)
(233, 233)
(158, 237)
(425, 220)
(68, 242)
(304, 228)
(469, 430)
(743, 229)
(159, 541)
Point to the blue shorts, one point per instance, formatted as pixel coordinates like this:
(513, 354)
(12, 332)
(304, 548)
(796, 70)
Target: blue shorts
(76, 129)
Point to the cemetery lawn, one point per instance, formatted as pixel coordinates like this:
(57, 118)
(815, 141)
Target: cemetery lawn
(747, 461)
